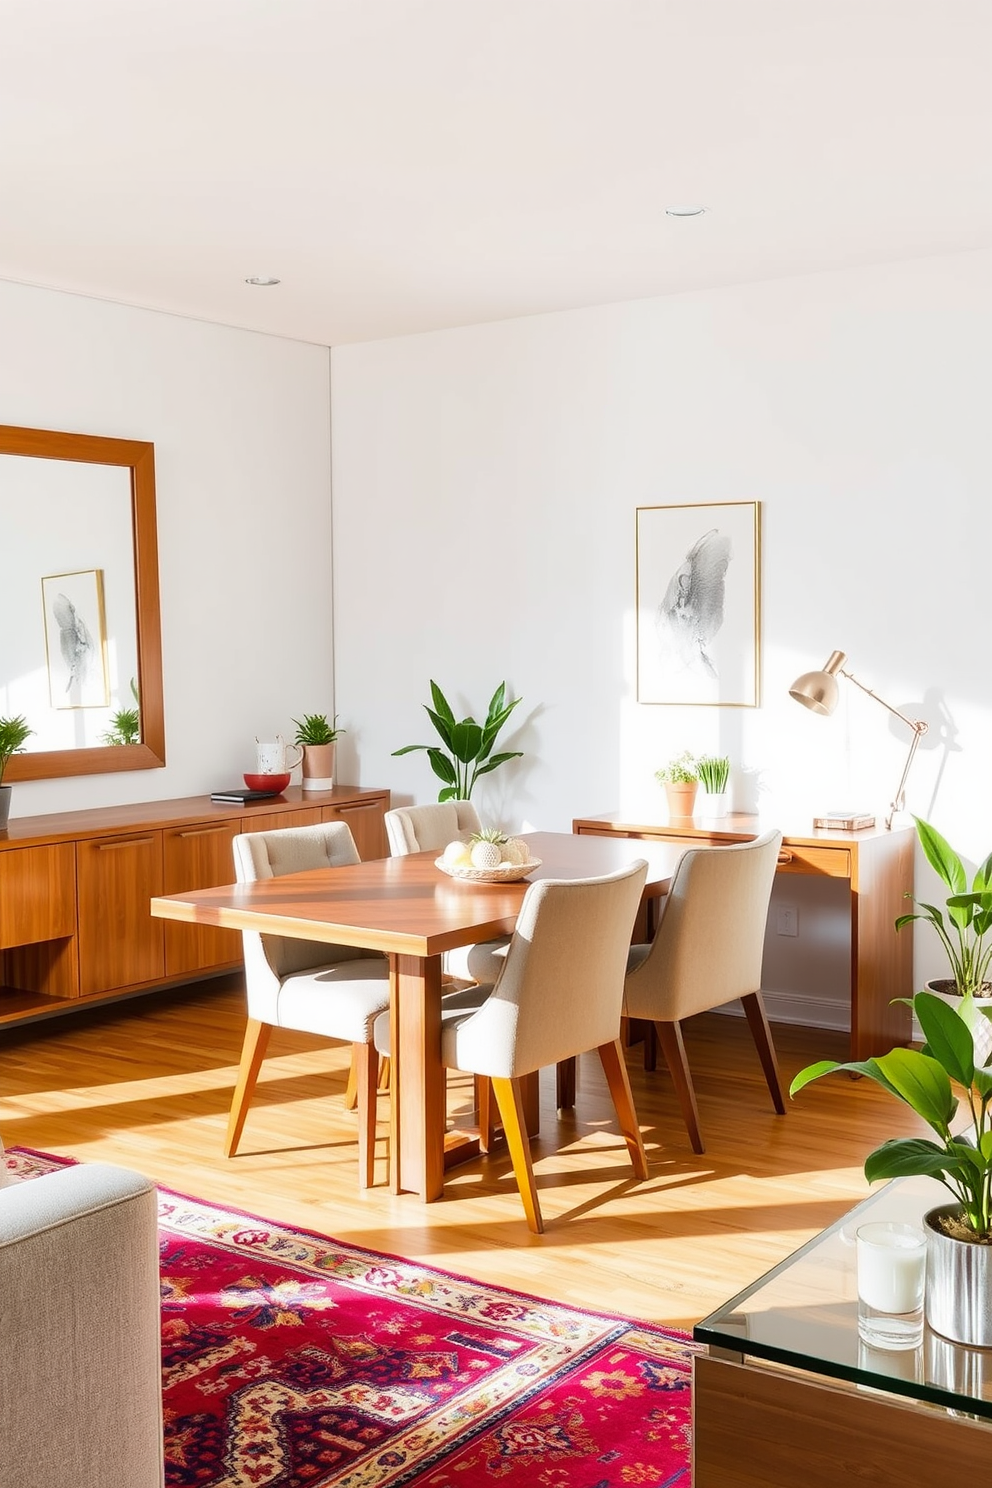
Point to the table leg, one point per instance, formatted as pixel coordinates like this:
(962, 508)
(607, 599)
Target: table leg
(417, 1112)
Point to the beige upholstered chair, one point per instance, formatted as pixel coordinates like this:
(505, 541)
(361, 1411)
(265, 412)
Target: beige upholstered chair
(559, 994)
(333, 990)
(80, 1349)
(412, 829)
(707, 951)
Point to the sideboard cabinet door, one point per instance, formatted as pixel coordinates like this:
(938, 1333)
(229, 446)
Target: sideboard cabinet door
(198, 857)
(120, 945)
(365, 818)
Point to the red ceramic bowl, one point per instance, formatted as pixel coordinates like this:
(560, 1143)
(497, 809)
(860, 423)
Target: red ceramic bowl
(267, 782)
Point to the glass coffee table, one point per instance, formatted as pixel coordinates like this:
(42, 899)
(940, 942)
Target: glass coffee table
(786, 1392)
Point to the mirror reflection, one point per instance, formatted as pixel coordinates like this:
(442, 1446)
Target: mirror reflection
(69, 662)
(80, 632)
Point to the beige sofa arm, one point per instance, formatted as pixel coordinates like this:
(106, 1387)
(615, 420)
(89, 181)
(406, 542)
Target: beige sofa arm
(80, 1349)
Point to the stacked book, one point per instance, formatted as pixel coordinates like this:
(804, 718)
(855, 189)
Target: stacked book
(844, 821)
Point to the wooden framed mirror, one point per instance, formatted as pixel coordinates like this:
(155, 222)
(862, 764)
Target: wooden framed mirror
(80, 627)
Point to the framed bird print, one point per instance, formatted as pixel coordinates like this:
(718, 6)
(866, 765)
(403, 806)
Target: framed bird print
(76, 639)
(698, 611)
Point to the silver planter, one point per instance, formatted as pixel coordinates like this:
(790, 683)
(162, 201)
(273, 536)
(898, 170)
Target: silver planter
(959, 1284)
(5, 794)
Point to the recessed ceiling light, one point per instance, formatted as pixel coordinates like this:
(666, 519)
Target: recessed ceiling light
(684, 211)
(265, 280)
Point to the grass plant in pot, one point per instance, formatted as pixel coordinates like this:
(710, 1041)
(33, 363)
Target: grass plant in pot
(963, 928)
(680, 777)
(714, 775)
(316, 737)
(958, 1297)
(14, 734)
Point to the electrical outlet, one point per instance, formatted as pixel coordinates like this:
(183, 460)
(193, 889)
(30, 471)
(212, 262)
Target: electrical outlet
(787, 921)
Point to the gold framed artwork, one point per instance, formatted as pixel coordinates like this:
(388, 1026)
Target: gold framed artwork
(698, 610)
(76, 639)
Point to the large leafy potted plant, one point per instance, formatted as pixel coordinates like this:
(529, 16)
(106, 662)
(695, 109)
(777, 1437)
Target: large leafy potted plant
(317, 737)
(963, 928)
(469, 745)
(14, 734)
(959, 1235)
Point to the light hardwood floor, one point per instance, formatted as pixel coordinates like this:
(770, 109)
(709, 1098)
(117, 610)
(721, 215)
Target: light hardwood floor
(148, 1084)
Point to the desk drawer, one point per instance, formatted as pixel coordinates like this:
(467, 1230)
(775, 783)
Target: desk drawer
(829, 862)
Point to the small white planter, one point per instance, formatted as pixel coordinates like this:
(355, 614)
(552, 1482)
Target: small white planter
(713, 804)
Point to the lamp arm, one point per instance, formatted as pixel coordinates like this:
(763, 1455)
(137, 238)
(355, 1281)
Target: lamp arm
(919, 727)
(916, 724)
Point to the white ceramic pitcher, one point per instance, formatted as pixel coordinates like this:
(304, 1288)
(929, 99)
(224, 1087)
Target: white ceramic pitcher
(272, 757)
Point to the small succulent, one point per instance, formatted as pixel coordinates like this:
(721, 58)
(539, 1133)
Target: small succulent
(488, 834)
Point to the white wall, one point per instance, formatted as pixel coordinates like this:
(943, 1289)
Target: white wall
(485, 484)
(240, 424)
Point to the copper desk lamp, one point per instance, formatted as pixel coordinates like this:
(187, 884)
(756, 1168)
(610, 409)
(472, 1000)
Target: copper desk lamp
(819, 692)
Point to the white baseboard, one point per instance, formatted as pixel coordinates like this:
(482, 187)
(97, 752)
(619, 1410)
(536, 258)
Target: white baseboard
(799, 1007)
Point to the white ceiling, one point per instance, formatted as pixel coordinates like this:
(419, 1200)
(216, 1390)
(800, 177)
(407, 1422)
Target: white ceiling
(403, 165)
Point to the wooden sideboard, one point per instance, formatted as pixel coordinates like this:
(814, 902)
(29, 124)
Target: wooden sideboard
(75, 926)
(878, 867)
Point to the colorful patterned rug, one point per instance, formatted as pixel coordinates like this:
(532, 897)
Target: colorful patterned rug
(294, 1361)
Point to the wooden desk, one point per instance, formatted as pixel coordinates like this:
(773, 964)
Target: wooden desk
(878, 866)
(412, 911)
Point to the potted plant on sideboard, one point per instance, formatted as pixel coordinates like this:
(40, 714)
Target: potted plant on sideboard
(714, 775)
(14, 734)
(680, 777)
(964, 934)
(316, 736)
(958, 1293)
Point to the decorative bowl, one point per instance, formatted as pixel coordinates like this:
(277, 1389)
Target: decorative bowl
(505, 873)
(273, 783)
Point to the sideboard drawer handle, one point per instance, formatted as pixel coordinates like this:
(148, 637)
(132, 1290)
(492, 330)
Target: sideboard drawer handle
(785, 856)
(131, 842)
(355, 806)
(202, 832)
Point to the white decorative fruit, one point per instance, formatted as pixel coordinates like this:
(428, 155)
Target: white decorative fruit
(485, 855)
(457, 855)
(516, 851)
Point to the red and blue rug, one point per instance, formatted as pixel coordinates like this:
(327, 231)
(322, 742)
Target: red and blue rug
(291, 1360)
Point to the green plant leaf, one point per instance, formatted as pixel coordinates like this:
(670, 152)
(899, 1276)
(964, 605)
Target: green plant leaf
(497, 702)
(409, 749)
(867, 1067)
(442, 766)
(466, 740)
(450, 793)
(941, 856)
(497, 759)
(905, 1156)
(441, 704)
(922, 1083)
(948, 1036)
(446, 729)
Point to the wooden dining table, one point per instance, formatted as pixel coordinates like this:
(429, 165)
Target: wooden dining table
(409, 909)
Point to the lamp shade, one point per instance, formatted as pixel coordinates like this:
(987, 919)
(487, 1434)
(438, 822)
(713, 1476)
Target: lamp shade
(818, 690)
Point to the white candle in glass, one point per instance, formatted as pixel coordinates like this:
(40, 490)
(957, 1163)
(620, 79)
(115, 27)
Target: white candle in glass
(891, 1266)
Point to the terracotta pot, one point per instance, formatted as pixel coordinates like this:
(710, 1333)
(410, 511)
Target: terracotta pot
(318, 766)
(681, 798)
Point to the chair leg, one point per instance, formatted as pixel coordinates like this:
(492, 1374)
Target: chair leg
(565, 1084)
(252, 1053)
(510, 1102)
(367, 1060)
(484, 1106)
(672, 1047)
(754, 1009)
(351, 1089)
(615, 1070)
